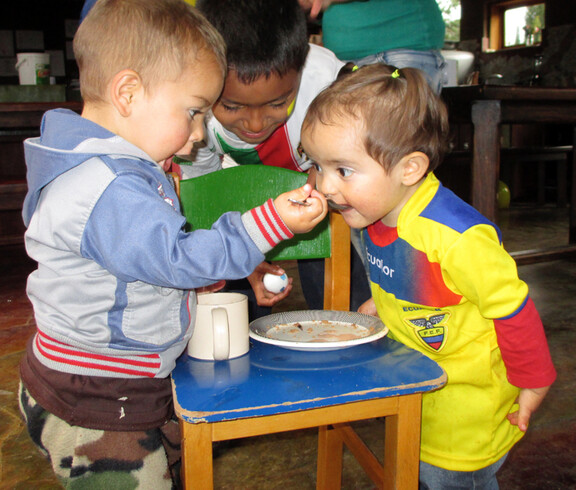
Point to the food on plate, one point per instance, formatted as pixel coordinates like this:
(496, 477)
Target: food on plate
(318, 331)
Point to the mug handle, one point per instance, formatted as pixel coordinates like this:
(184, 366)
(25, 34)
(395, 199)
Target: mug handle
(221, 334)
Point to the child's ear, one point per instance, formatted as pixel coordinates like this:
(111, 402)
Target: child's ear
(415, 166)
(124, 87)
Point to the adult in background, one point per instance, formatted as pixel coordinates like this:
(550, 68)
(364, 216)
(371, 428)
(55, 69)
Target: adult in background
(394, 32)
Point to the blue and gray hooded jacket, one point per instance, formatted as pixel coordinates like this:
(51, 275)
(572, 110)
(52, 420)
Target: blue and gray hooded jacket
(112, 294)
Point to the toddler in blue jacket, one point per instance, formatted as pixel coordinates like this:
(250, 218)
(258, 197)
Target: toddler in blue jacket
(113, 294)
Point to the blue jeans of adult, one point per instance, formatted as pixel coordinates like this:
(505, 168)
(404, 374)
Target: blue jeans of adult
(435, 478)
(430, 62)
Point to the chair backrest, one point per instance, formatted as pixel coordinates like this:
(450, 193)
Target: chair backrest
(204, 199)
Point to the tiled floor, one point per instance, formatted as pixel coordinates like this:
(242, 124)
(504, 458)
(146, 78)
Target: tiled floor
(545, 459)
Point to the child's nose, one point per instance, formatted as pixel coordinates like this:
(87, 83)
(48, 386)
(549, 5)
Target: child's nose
(197, 133)
(255, 121)
(325, 185)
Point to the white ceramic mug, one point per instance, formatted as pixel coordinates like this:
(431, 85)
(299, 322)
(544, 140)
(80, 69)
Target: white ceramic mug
(221, 329)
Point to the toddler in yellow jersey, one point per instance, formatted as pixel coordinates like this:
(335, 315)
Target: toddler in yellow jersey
(441, 279)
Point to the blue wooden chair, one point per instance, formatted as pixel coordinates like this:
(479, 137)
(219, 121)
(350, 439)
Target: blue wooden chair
(271, 389)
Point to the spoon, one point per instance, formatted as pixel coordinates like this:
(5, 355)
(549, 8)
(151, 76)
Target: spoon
(337, 207)
(300, 203)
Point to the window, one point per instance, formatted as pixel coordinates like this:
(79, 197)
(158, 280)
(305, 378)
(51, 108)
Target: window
(516, 23)
(451, 14)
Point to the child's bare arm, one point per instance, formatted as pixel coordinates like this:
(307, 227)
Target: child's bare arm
(529, 400)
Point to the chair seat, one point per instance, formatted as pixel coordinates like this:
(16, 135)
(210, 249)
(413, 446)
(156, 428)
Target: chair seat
(271, 380)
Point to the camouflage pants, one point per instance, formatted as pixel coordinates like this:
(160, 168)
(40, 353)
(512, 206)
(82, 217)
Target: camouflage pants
(97, 459)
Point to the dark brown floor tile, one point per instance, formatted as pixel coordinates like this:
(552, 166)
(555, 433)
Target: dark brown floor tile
(13, 340)
(22, 465)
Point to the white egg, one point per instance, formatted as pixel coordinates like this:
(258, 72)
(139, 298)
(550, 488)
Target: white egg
(275, 284)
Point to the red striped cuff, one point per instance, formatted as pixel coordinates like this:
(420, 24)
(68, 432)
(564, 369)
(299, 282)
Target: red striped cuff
(270, 225)
(64, 357)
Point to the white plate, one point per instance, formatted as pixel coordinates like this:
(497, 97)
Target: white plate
(317, 330)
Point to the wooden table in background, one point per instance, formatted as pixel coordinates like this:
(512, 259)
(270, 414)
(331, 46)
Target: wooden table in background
(487, 107)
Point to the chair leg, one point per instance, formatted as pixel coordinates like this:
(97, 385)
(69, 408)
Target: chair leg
(402, 459)
(329, 467)
(362, 453)
(197, 456)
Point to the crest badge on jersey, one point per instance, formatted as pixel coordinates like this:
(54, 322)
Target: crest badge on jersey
(431, 330)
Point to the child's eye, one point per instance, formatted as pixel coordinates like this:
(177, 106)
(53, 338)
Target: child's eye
(278, 105)
(194, 112)
(316, 167)
(345, 172)
(231, 108)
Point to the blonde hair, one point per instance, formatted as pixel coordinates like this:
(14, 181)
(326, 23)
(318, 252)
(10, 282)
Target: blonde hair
(158, 39)
(398, 110)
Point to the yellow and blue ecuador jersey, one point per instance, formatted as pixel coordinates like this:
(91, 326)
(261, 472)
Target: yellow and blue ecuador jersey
(440, 279)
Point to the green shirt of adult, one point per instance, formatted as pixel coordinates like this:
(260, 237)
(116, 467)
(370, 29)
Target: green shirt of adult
(357, 29)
